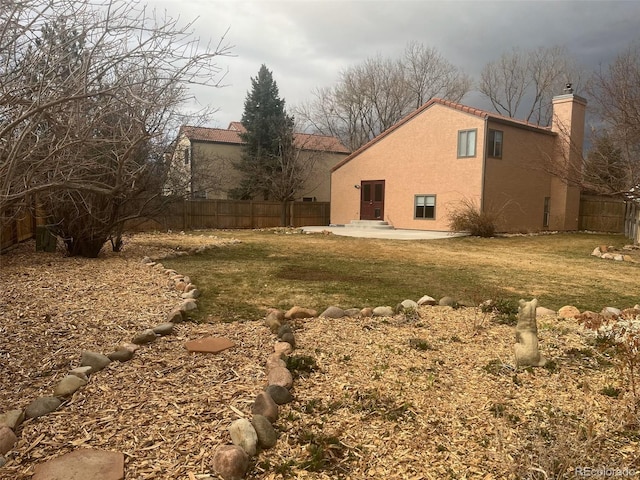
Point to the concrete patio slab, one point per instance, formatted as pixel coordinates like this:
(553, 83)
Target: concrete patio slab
(391, 234)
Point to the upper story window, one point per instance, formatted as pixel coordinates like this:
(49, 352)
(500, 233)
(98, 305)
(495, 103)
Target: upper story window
(494, 144)
(187, 155)
(467, 143)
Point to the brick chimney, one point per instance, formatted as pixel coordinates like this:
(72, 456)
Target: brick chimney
(568, 122)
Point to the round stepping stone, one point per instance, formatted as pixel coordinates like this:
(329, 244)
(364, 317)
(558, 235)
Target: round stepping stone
(209, 344)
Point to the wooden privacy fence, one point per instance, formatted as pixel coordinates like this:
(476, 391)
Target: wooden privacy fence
(602, 214)
(203, 214)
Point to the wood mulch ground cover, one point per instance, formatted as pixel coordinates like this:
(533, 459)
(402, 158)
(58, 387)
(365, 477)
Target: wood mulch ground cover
(430, 396)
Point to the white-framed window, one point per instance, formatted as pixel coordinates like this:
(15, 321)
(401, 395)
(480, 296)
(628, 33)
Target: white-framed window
(425, 206)
(467, 143)
(494, 144)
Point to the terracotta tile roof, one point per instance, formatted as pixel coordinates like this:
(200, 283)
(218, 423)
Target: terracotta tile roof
(319, 143)
(457, 106)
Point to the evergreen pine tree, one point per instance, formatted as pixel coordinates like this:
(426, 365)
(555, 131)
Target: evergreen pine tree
(269, 131)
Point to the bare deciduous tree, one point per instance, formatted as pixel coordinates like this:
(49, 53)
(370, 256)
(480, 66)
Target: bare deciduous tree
(88, 92)
(521, 83)
(374, 95)
(615, 93)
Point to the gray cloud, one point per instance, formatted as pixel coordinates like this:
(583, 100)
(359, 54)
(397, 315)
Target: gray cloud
(306, 43)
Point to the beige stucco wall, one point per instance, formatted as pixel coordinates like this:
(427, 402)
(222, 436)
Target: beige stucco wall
(517, 184)
(215, 173)
(419, 158)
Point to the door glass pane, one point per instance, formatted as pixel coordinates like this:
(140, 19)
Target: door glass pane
(378, 192)
(366, 192)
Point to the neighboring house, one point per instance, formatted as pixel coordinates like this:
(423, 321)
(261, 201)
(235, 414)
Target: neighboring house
(421, 169)
(204, 158)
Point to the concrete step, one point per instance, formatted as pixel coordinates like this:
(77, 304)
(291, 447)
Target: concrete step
(376, 224)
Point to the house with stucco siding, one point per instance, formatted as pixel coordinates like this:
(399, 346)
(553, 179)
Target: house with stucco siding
(445, 154)
(203, 159)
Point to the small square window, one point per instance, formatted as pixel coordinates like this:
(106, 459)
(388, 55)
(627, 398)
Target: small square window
(466, 143)
(425, 206)
(494, 144)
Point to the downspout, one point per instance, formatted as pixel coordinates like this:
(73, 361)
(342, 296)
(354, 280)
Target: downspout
(483, 176)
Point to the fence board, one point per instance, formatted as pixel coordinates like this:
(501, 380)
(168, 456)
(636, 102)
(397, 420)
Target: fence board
(601, 214)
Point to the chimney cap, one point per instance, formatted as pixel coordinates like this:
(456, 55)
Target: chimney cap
(568, 88)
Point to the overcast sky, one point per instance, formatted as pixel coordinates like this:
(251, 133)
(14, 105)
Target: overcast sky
(306, 43)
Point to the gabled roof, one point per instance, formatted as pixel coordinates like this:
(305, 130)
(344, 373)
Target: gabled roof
(456, 106)
(305, 141)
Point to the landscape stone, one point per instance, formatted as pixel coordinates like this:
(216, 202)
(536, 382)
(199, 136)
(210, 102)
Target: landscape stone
(188, 305)
(366, 312)
(568, 312)
(280, 376)
(447, 302)
(290, 339)
(42, 406)
(286, 328)
(144, 337)
(265, 405)
(180, 285)
(189, 287)
(427, 300)
(299, 312)
(146, 260)
(353, 313)
(267, 436)
(230, 462)
(545, 312)
(279, 394)
(383, 312)
(244, 435)
(8, 439)
(82, 372)
(175, 316)
(282, 348)
(96, 361)
(12, 419)
(333, 312)
(596, 252)
(274, 360)
(272, 323)
(83, 464)
(618, 257)
(611, 312)
(274, 312)
(121, 355)
(68, 385)
(164, 329)
(209, 345)
(2, 461)
(409, 304)
(193, 293)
